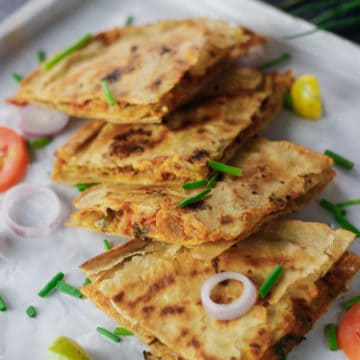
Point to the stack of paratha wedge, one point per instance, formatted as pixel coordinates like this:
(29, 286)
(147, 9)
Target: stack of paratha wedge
(180, 101)
(278, 177)
(151, 69)
(177, 150)
(153, 289)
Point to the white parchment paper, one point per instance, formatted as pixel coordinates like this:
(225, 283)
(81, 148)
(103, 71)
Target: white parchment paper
(26, 264)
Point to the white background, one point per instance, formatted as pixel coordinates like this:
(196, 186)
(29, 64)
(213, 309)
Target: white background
(26, 264)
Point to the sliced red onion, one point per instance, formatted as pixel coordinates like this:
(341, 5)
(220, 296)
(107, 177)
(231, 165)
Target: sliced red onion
(31, 210)
(236, 308)
(254, 57)
(36, 121)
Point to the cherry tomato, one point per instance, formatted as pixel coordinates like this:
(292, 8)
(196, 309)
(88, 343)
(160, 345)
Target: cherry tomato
(13, 158)
(349, 333)
(305, 96)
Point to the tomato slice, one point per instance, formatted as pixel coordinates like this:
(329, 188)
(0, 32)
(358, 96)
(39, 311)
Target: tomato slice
(13, 158)
(349, 333)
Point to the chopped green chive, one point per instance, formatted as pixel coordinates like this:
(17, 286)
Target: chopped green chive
(68, 289)
(331, 337)
(344, 223)
(194, 184)
(194, 198)
(82, 41)
(51, 285)
(283, 57)
(213, 180)
(288, 103)
(122, 332)
(41, 56)
(351, 302)
(129, 21)
(83, 187)
(31, 311)
(349, 203)
(108, 334)
(39, 142)
(107, 245)
(332, 207)
(17, 77)
(340, 160)
(3, 306)
(107, 93)
(224, 168)
(87, 281)
(270, 281)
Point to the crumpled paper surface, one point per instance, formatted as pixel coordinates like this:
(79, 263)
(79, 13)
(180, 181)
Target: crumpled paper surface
(26, 264)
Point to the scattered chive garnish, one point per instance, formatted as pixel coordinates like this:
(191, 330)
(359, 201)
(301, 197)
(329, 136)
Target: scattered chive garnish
(227, 169)
(288, 103)
(122, 332)
(107, 245)
(107, 93)
(82, 41)
(213, 180)
(344, 223)
(51, 285)
(270, 281)
(39, 142)
(83, 187)
(31, 311)
(340, 160)
(332, 207)
(68, 289)
(87, 281)
(41, 56)
(17, 77)
(194, 184)
(351, 302)
(349, 203)
(194, 198)
(108, 334)
(129, 21)
(3, 306)
(283, 57)
(331, 337)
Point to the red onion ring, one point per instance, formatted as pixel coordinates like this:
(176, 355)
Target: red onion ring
(35, 121)
(14, 205)
(236, 308)
(253, 58)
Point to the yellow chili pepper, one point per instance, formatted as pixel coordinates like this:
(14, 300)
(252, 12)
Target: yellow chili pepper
(305, 96)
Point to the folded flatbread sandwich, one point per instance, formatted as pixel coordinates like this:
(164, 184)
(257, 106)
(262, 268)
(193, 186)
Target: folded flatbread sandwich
(177, 150)
(278, 177)
(153, 289)
(150, 69)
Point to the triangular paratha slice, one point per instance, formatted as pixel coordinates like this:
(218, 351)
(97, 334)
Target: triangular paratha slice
(177, 150)
(278, 177)
(153, 289)
(150, 69)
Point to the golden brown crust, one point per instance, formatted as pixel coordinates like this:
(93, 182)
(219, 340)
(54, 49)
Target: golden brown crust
(278, 177)
(151, 69)
(164, 303)
(152, 154)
